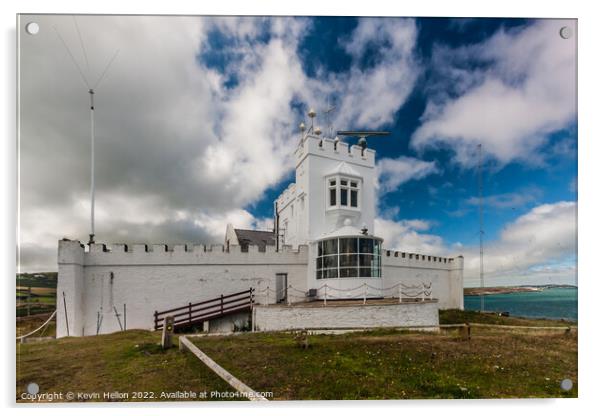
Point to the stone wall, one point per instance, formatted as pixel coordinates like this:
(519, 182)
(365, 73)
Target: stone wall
(281, 317)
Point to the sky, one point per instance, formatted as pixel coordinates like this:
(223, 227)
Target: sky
(196, 122)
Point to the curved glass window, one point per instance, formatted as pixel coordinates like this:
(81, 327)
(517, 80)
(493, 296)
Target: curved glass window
(348, 257)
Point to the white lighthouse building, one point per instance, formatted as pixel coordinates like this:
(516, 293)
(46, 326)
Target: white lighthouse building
(322, 266)
(331, 208)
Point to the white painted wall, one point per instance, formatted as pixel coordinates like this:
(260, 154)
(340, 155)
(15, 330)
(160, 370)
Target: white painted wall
(149, 279)
(159, 280)
(445, 274)
(278, 318)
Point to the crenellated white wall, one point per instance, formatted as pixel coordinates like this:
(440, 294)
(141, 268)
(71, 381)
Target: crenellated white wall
(146, 279)
(150, 278)
(444, 273)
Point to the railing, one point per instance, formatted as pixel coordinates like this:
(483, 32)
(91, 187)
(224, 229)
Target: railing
(401, 292)
(196, 313)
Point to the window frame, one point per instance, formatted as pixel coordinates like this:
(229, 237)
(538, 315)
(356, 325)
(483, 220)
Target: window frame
(334, 263)
(343, 185)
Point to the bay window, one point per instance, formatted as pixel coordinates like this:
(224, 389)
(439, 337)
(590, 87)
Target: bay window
(343, 192)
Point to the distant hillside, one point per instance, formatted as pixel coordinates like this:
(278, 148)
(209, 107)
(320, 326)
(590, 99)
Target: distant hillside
(498, 290)
(43, 279)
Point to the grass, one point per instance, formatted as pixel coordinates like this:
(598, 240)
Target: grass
(25, 326)
(40, 300)
(379, 364)
(388, 364)
(457, 316)
(129, 361)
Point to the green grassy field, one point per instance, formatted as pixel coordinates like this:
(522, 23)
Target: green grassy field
(456, 316)
(26, 325)
(389, 364)
(129, 361)
(36, 293)
(381, 364)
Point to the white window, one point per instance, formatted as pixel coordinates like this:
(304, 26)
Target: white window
(353, 191)
(343, 192)
(332, 192)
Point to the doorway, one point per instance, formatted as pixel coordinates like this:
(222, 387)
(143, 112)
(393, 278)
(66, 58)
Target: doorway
(281, 287)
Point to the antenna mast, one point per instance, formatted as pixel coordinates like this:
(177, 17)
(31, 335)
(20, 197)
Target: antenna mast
(91, 93)
(481, 274)
(329, 109)
(92, 184)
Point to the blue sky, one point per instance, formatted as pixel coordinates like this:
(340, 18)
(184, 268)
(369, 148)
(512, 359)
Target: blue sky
(447, 199)
(203, 136)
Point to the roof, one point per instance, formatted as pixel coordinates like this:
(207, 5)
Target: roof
(255, 237)
(344, 169)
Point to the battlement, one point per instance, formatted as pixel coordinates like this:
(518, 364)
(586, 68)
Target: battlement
(340, 151)
(400, 258)
(288, 195)
(173, 254)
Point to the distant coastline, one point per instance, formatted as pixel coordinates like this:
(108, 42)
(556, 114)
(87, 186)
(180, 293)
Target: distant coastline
(500, 290)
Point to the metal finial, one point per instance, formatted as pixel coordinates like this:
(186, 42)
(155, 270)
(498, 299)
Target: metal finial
(312, 113)
(302, 126)
(317, 131)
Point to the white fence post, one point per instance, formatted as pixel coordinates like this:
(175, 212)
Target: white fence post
(325, 293)
(365, 289)
(267, 295)
(399, 286)
(288, 294)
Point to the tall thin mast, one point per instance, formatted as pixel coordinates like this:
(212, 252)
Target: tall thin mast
(91, 89)
(92, 184)
(481, 274)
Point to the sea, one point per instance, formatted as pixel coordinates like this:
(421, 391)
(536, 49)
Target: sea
(552, 303)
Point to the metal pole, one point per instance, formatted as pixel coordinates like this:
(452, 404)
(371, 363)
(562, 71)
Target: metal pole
(29, 300)
(124, 318)
(92, 184)
(117, 316)
(66, 317)
(481, 274)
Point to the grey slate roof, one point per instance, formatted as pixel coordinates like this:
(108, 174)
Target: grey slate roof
(255, 238)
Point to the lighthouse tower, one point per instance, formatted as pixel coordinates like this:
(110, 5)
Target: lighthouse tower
(331, 208)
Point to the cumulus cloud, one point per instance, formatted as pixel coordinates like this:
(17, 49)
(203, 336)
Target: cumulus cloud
(538, 247)
(508, 93)
(409, 236)
(508, 199)
(392, 173)
(182, 146)
(541, 241)
(373, 95)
